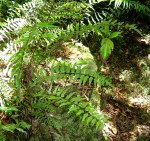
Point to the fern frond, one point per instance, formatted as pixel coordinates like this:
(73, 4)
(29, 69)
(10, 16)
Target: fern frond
(18, 58)
(75, 104)
(27, 10)
(97, 10)
(77, 73)
(131, 4)
(10, 27)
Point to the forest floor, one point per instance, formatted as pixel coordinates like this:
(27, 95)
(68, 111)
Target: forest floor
(128, 103)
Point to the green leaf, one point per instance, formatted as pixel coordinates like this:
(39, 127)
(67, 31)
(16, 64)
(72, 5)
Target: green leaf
(88, 108)
(1, 23)
(79, 112)
(9, 127)
(21, 130)
(50, 89)
(89, 119)
(90, 80)
(45, 24)
(15, 116)
(106, 30)
(68, 69)
(86, 71)
(106, 46)
(24, 125)
(70, 95)
(98, 124)
(63, 92)
(10, 108)
(56, 89)
(84, 117)
(50, 35)
(62, 68)
(71, 77)
(57, 68)
(85, 79)
(73, 108)
(77, 76)
(33, 33)
(18, 81)
(95, 81)
(114, 35)
(61, 101)
(81, 62)
(84, 104)
(101, 81)
(76, 99)
(93, 122)
(16, 69)
(64, 104)
(53, 97)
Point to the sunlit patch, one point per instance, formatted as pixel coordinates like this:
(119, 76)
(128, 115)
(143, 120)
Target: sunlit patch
(126, 75)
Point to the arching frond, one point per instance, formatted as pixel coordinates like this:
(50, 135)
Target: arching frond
(8, 29)
(76, 104)
(131, 4)
(81, 75)
(27, 10)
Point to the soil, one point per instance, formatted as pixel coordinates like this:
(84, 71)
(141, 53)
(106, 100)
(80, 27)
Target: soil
(127, 106)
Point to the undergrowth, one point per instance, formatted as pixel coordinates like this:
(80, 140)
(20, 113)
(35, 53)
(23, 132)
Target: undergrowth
(50, 98)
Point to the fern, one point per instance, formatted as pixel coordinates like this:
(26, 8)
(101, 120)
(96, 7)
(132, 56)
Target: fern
(55, 35)
(74, 73)
(60, 96)
(17, 59)
(27, 10)
(131, 4)
(9, 28)
(47, 101)
(103, 9)
(76, 104)
(96, 13)
(65, 97)
(56, 87)
(21, 15)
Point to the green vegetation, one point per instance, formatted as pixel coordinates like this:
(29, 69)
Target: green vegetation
(67, 65)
